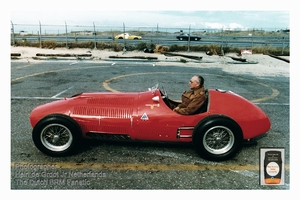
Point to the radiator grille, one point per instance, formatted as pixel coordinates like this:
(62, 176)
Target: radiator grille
(121, 101)
(123, 113)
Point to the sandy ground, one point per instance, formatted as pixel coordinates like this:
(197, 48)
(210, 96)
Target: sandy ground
(257, 64)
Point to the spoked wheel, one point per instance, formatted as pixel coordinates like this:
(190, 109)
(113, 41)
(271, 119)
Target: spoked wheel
(56, 135)
(217, 138)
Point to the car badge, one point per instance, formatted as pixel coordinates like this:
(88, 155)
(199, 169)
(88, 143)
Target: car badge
(144, 117)
(152, 105)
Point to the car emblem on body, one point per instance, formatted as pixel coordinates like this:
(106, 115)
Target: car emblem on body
(144, 117)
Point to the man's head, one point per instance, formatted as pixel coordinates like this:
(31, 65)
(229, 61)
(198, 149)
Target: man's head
(196, 82)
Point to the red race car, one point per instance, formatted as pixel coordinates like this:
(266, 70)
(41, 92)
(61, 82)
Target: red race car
(217, 132)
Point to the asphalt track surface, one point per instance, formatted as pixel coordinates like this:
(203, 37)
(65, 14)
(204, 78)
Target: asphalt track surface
(138, 165)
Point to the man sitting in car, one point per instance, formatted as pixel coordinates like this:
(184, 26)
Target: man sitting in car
(192, 100)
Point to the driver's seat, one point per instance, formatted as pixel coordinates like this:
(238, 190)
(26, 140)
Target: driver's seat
(203, 108)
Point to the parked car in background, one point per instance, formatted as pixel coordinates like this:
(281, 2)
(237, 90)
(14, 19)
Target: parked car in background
(127, 36)
(184, 36)
(187, 36)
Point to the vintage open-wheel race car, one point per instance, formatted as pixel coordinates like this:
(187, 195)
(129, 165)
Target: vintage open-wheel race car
(217, 131)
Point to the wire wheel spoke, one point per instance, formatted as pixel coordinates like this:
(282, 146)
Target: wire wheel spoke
(56, 137)
(218, 140)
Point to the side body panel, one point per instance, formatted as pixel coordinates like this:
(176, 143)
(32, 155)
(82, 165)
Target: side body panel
(156, 121)
(249, 116)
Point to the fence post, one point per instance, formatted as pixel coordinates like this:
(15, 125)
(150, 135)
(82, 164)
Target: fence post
(66, 35)
(95, 43)
(13, 33)
(252, 42)
(189, 39)
(222, 36)
(157, 35)
(282, 46)
(40, 34)
(124, 49)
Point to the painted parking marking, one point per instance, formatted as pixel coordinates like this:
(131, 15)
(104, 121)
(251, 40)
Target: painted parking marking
(37, 74)
(275, 92)
(62, 92)
(37, 98)
(273, 104)
(74, 63)
(51, 71)
(106, 83)
(25, 66)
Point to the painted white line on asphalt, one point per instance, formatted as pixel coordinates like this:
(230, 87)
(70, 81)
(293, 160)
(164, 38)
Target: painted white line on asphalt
(73, 63)
(247, 173)
(42, 98)
(274, 104)
(62, 92)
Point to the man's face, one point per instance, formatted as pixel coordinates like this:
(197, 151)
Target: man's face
(194, 83)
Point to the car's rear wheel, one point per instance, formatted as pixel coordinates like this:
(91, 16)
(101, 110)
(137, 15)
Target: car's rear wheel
(56, 135)
(217, 138)
(120, 38)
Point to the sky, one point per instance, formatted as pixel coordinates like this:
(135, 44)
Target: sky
(220, 19)
(217, 14)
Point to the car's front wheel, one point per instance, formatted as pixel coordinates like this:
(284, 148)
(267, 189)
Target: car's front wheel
(56, 135)
(217, 138)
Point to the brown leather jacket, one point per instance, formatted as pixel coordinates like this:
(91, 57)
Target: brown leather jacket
(191, 101)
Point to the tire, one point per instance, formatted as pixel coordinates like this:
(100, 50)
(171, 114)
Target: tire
(217, 138)
(120, 38)
(56, 135)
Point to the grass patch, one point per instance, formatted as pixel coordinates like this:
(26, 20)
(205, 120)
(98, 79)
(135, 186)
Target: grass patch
(117, 47)
(182, 60)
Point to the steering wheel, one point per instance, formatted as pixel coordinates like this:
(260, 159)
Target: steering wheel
(154, 88)
(164, 92)
(165, 96)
